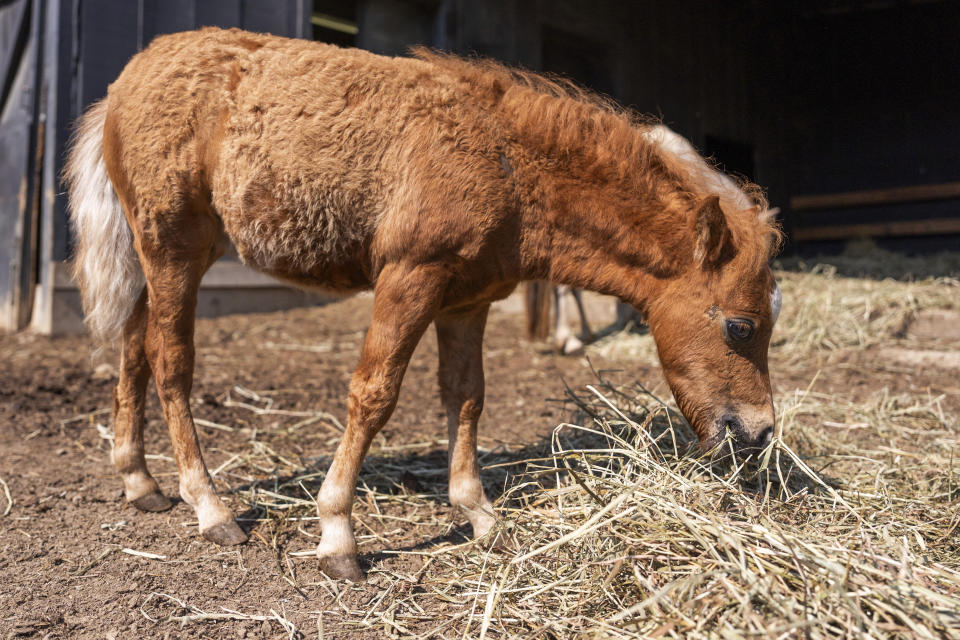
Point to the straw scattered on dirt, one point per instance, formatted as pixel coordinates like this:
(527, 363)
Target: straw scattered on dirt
(614, 526)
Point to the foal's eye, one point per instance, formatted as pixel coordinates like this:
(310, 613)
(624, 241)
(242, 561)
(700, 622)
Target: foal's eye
(739, 329)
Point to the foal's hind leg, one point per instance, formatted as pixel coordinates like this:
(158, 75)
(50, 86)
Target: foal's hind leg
(173, 273)
(564, 340)
(129, 399)
(460, 340)
(585, 329)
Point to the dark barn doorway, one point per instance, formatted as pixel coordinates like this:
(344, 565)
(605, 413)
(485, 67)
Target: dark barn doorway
(735, 158)
(589, 62)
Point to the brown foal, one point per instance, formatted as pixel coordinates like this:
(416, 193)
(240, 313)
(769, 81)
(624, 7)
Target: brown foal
(439, 183)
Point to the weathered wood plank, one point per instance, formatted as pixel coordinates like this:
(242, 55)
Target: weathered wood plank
(893, 195)
(224, 273)
(879, 230)
(17, 163)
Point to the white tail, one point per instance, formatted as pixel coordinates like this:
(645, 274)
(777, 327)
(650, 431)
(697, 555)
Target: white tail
(106, 264)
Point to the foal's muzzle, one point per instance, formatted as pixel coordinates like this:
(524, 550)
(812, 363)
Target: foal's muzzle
(746, 442)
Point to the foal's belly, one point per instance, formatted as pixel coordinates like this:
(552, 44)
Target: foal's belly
(307, 248)
(306, 230)
(343, 278)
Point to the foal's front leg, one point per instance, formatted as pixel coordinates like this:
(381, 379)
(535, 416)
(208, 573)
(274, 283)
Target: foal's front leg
(460, 341)
(405, 301)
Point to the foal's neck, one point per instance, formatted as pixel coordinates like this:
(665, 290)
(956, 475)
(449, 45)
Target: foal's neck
(602, 236)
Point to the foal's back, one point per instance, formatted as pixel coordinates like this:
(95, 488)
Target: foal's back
(302, 150)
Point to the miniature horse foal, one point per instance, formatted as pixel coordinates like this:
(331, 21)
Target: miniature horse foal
(437, 182)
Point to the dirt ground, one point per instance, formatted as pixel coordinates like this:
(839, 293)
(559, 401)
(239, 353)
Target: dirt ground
(66, 570)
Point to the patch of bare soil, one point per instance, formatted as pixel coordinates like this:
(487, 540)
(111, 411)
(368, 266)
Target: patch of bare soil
(77, 562)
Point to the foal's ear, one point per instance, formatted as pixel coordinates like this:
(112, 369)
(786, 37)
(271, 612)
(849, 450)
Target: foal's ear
(713, 240)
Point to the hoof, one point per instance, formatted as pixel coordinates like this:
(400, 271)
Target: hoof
(154, 501)
(225, 534)
(572, 346)
(342, 568)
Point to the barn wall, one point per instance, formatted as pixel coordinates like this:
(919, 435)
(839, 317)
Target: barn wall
(19, 207)
(872, 101)
(86, 44)
(818, 97)
(391, 27)
(876, 97)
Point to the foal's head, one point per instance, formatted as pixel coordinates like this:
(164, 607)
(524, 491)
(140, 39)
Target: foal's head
(712, 327)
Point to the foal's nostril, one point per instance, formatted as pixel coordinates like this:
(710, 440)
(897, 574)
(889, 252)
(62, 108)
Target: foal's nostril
(732, 425)
(745, 441)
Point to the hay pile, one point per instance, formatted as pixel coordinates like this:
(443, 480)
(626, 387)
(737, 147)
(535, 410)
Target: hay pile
(640, 539)
(826, 312)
